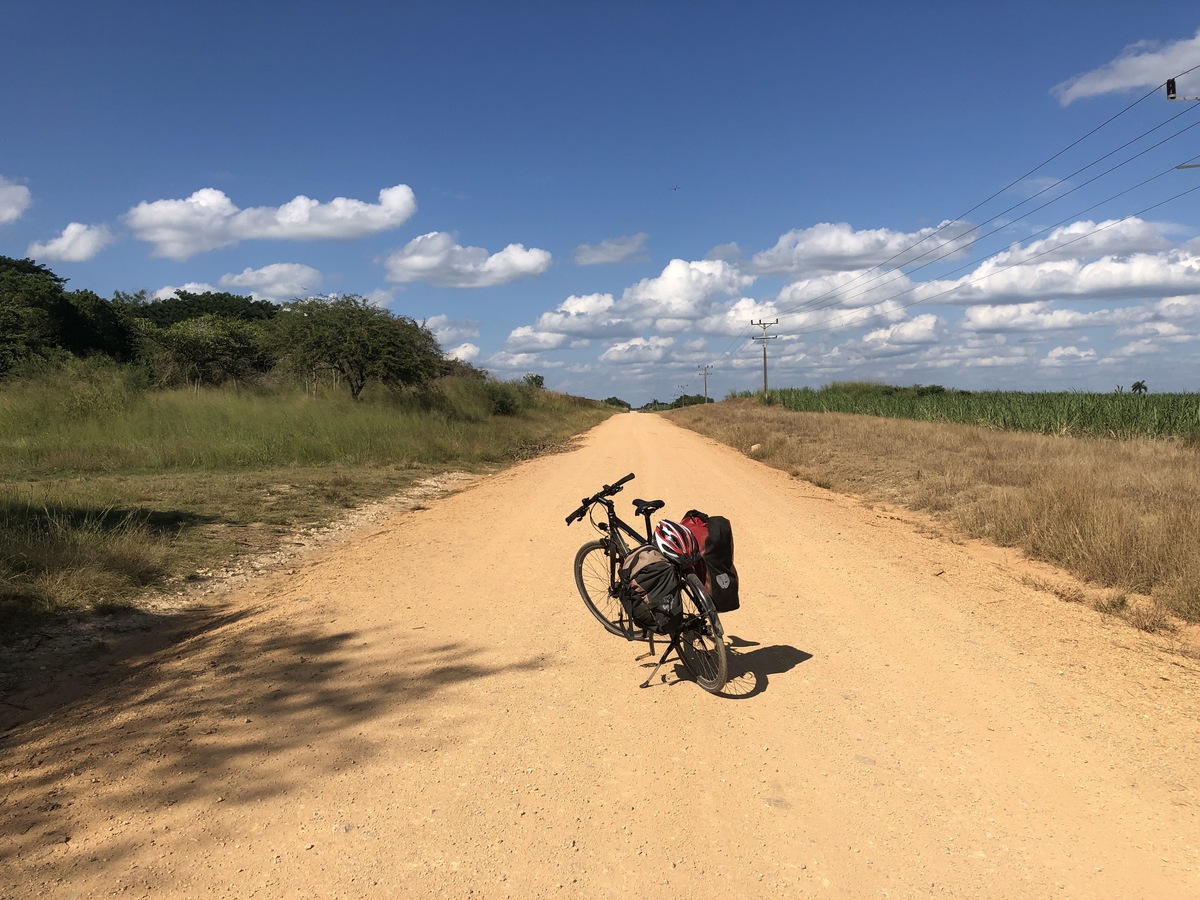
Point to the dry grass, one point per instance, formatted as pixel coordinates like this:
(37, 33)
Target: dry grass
(1124, 515)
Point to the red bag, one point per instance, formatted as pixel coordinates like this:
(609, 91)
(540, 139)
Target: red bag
(697, 523)
(715, 537)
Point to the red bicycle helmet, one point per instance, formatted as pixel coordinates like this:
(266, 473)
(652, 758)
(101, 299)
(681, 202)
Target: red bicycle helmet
(676, 543)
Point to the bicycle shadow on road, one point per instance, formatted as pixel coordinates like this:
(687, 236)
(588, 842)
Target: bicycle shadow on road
(750, 670)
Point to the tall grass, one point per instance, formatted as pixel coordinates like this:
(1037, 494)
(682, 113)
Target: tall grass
(1122, 415)
(222, 430)
(107, 487)
(1123, 514)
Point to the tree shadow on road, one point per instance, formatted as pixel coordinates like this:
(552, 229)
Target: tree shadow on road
(222, 706)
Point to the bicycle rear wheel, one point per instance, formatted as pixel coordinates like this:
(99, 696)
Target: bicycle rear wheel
(701, 637)
(594, 576)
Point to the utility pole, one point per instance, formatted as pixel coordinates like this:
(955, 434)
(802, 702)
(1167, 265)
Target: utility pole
(705, 370)
(765, 337)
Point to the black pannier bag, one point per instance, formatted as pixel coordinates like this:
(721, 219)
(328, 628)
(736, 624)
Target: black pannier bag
(650, 585)
(715, 535)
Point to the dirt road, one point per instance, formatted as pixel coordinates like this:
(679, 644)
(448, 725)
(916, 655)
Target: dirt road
(426, 709)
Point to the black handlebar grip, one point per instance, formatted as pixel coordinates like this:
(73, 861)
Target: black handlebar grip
(614, 488)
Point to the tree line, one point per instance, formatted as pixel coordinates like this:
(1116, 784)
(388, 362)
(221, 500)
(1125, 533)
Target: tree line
(213, 338)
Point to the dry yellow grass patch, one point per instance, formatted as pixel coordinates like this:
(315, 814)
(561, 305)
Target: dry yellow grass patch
(1121, 514)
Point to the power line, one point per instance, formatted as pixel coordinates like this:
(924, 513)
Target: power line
(895, 276)
(1022, 262)
(812, 303)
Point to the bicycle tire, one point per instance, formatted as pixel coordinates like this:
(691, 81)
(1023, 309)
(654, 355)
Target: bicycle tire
(701, 637)
(593, 577)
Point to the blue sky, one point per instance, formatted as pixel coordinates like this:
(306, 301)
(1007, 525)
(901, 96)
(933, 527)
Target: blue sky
(609, 193)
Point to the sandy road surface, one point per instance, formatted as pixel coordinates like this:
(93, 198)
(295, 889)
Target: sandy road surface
(426, 709)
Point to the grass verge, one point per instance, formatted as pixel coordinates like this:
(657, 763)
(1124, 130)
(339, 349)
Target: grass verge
(1121, 514)
(98, 506)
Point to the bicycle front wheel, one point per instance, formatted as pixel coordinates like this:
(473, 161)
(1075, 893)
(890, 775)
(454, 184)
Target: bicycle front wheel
(595, 576)
(701, 637)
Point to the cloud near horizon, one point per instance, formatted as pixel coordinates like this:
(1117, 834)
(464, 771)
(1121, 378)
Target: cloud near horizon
(77, 243)
(826, 248)
(14, 200)
(1029, 304)
(437, 259)
(278, 281)
(208, 220)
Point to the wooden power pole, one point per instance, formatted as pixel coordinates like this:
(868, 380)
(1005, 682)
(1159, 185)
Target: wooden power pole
(705, 370)
(765, 337)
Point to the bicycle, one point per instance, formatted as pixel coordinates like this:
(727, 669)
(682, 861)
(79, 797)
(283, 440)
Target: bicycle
(696, 635)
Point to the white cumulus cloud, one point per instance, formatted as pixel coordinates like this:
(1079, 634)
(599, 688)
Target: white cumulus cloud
(1039, 316)
(208, 219)
(1139, 66)
(436, 258)
(827, 247)
(638, 350)
(464, 352)
(922, 329)
(192, 287)
(1139, 275)
(1086, 239)
(526, 338)
(589, 315)
(77, 243)
(448, 330)
(1061, 356)
(278, 281)
(685, 289)
(14, 200)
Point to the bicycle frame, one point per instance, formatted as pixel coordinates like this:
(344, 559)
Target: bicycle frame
(615, 525)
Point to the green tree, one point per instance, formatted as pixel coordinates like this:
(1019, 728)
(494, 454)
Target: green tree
(617, 401)
(185, 305)
(89, 325)
(688, 400)
(31, 307)
(39, 318)
(462, 369)
(537, 382)
(208, 350)
(358, 341)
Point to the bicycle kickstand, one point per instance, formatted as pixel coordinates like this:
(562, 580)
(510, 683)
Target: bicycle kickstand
(649, 653)
(674, 645)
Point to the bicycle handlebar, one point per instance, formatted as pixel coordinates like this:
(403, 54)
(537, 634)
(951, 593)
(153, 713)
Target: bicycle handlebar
(607, 491)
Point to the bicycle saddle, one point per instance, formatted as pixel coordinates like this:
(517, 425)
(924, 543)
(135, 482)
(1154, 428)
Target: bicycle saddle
(645, 507)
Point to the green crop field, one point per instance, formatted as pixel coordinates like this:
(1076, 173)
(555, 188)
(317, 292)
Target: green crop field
(1118, 414)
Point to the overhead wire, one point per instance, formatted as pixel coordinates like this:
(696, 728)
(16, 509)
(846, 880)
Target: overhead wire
(1024, 260)
(896, 275)
(891, 274)
(838, 292)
